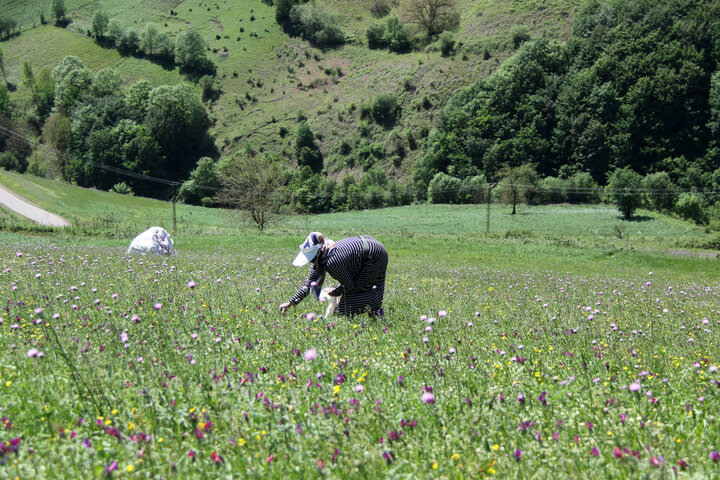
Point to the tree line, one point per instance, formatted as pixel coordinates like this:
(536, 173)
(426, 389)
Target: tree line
(635, 87)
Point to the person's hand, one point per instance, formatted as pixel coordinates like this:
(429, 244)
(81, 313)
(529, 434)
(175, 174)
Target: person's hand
(284, 307)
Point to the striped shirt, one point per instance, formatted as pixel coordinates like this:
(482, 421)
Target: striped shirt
(361, 275)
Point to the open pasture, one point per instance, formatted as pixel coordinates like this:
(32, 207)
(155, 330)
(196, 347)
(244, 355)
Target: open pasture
(182, 368)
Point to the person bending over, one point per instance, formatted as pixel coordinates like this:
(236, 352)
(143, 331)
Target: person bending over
(357, 263)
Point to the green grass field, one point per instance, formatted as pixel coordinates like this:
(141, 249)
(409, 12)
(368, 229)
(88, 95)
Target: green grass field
(592, 239)
(493, 361)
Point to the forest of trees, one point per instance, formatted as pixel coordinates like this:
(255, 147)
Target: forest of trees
(636, 85)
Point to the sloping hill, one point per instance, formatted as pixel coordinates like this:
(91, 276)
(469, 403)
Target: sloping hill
(270, 79)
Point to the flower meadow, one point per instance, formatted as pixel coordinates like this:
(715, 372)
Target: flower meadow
(147, 367)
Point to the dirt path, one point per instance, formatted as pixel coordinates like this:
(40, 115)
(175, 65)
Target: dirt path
(21, 207)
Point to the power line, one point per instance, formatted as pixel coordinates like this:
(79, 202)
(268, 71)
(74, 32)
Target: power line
(525, 187)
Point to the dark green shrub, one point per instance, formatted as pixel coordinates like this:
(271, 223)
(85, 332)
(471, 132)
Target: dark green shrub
(385, 109)
(443, 188)
(690, 207)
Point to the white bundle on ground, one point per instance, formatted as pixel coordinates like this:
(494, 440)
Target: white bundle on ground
(153, 240)
(332, 302)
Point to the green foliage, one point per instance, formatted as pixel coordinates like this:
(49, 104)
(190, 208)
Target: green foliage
(190, 49)
(72, 86)
(8, 26)
(607, 97)
(9, 162)
(58, 9)
(433, 16)
(582, 188)
(149, 39)
(65, 66)
(204, 175)
(519, 34)
(307, 152)
(316, 25)
(473, 190)
(391, 34)
(282, 13)
(446, 41)
(100, 23)
(114, 30)
(518, 184)
(690, 207)
(129, 41)
(660, 191)
(123, 189)
(443, 188)
(625, 185)
(385, 110)
(211, 87)
(106, 82)
(4, 100)
(179, 122)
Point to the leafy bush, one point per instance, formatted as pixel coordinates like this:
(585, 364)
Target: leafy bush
(9, 162)
(690, 207)
(446, 42)
(316, 25)
(443, 188)
(552, 190)
(392, 35)
(582, 188)
(376, 36)
(123, 188)
(660, 193)
(385, 109)
(129, 41)
(473, 189)
(211, 87)
(519, 35)
(624, 185)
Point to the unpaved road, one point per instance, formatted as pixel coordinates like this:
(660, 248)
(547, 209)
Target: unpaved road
(21, 207)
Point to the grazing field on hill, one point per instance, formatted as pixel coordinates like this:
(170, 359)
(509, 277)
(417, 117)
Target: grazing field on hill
(183, 367)
(45, 46)
(270, 80)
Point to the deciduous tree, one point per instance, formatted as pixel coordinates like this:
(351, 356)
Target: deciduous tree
(58, 8)
(433, 16)
(624, 185)
(255, 185)
(100, 23)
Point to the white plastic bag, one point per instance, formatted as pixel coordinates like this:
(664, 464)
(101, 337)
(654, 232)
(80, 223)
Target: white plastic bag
(153, 240)
(331, 301)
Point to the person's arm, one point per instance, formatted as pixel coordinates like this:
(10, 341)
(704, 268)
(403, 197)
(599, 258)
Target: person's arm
(304, 289)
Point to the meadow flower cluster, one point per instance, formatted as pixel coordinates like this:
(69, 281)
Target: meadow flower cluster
(183, 367)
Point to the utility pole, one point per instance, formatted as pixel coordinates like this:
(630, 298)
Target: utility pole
(173, 202)
(489, 200)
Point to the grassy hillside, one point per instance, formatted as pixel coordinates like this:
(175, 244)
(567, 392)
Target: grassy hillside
(269, 78)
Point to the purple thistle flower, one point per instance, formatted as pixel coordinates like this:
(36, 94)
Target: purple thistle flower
(521, 398)
(86, 443)
(594, 452)
(112, 467)
(517, 454)
(715, 456)
(428, 397)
